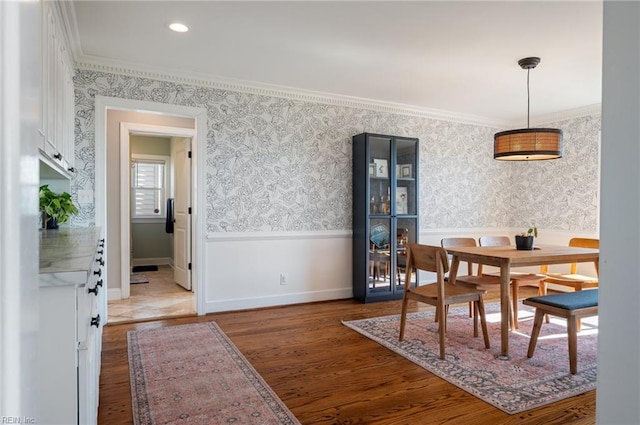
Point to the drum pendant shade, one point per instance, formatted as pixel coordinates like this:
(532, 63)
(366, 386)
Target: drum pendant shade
(528, 144)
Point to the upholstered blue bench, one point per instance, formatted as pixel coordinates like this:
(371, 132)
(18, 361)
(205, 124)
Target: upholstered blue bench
(572, 306)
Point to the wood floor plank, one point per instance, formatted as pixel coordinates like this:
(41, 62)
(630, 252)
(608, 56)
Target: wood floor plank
(328, 374)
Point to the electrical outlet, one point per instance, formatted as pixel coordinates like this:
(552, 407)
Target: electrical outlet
(284, 278)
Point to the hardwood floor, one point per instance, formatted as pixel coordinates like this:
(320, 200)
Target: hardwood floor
(328, 374)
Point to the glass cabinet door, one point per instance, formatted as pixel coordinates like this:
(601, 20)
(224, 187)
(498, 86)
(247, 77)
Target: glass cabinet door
(379, 177)
(405, 191)
(380, 214)
(380, 267)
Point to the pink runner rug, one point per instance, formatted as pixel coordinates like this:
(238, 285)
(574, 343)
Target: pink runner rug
(193, 374)
(513, 385)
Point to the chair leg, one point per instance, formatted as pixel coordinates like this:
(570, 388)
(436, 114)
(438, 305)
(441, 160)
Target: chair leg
(442, 329)
(578, 321)
(446, 314)
(483, 322)
(535, 332)
(475, 319)
(514, 304)
(403, 318)
(542, 290)
(572, 325)
(511, 316)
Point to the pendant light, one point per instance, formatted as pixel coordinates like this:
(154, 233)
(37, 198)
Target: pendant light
(528, 144)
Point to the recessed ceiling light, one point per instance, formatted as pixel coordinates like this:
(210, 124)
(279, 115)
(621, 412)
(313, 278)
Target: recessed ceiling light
(178, 27)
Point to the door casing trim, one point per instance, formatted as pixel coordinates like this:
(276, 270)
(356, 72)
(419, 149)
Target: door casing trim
(102, 105)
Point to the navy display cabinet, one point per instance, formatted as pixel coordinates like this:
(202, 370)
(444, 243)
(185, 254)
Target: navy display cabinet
(385, 213)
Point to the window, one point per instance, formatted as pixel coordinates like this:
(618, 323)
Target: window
(148, 186)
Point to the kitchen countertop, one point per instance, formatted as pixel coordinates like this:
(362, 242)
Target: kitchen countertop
(67, 255)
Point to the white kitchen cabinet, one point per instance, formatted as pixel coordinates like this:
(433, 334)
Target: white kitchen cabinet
(57, 103)
(71, 292)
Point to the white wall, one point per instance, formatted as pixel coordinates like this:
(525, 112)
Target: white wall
(618, 391)
(243, 270)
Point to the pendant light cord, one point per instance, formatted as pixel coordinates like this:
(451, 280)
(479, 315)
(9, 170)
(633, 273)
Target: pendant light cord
(528, 98)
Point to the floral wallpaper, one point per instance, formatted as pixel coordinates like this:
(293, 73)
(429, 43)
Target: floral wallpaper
(562, 194)
(277, 164)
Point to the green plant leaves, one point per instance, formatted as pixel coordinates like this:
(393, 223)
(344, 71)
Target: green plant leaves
(56, 205)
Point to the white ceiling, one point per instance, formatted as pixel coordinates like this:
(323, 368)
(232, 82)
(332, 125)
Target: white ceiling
(449, 56)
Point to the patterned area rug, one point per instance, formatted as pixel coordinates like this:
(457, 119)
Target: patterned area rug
(194, 374)
(513, 385)
(138, 278)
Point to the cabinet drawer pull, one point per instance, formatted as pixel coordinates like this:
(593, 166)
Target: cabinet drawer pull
(94, 290)
(100, 261)
(98, 273)
(58, 156)
(95, 321)
(71, 169)
(99, 283)
(101, 244)
(100, 251)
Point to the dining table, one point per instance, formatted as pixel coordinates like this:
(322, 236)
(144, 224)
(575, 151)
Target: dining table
(508, 257)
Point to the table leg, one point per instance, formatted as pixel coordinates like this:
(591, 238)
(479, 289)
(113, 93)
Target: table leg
(453, 270)
(504, 310)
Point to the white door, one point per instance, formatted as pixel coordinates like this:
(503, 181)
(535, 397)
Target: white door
(180, 149)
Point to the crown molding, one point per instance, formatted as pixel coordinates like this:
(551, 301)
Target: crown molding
(595, 109)
(263, 89)
(66, 16)
(271, 90)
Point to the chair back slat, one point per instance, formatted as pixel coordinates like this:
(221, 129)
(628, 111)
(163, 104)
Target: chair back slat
(428, 258)
(582, 243)
(494, 241)
(457, 243)
(585, 243)
(577, 243)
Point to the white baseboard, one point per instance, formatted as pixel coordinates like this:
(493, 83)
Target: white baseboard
(277, 300)
(114, 294)
(159, 261)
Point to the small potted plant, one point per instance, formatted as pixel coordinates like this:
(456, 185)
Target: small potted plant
(56, 208)
(526, 240)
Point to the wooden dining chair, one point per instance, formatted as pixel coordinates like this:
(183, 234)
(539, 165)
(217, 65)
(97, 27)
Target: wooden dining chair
(439, 294)
(574, 280)
(518, 279)
(479, 280)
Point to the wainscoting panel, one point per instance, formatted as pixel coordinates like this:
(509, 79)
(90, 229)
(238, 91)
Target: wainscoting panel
(243, 270)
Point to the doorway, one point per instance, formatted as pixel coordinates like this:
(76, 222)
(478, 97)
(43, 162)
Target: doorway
(177, 121)
(155, 199)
